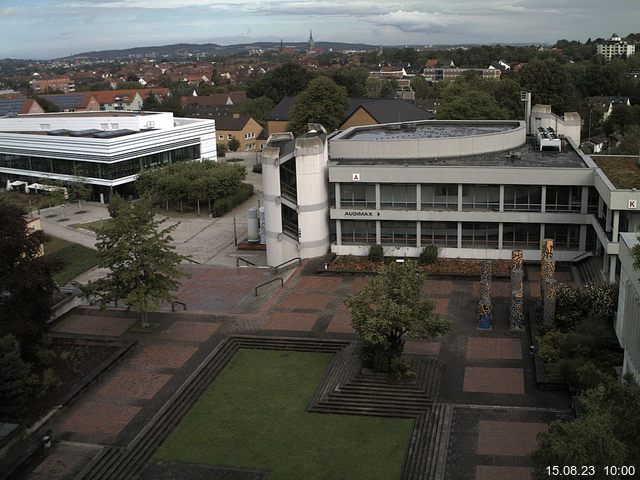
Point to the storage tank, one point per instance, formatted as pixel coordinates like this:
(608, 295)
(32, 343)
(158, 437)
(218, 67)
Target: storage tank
(252, 225)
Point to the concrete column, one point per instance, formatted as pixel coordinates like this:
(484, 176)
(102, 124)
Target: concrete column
(583, 238)
(541, 233)
(418, 197)
(612, 268)
(616, 225)
(584, 205)
(543, 202)
(378, 232)
(338, 232)
(608, 221)
(501, 207)
(337, 193)
(605, 263)
(418, 234)
(459, 234)
(459, 197)
(378, 202)
(500, 232)
(600, 206)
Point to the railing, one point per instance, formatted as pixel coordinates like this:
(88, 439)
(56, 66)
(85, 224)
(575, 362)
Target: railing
(238, 259)
(267, 283)
(297, 259)
(173, 305)
(581, 257)
(189, 259)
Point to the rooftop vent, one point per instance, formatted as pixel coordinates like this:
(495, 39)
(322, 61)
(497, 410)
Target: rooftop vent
(548, 139)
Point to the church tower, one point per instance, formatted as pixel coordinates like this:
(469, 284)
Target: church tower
(312, 44)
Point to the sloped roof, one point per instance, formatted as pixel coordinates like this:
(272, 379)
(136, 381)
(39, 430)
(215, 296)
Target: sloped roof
(231, 98)
(14, 106)
(69, 101)
(230, 122)
(112, 96)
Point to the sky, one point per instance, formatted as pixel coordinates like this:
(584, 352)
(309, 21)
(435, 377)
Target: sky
(43, 29)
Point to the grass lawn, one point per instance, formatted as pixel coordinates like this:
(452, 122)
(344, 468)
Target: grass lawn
(623, 172)
(77, 258)
(253, 416)
(93, 226)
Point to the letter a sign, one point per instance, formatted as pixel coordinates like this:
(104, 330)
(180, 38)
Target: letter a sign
(355, 177)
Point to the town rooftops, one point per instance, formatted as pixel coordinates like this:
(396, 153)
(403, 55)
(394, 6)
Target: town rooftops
(15, 106)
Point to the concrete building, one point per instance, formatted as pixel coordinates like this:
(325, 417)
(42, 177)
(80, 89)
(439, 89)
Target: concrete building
(628, 315)
(476, 189)
(44, 85)
(106, 149)
(615, 47)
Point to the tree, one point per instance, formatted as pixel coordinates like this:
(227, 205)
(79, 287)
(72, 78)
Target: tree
(233, 145)
(353, 78)
(13, 375)
(321, 102)
(550, 84)
(79, 188)
(286, 80)
(142, 263)
(471, 105)
(258, 109)
(26, 282)
(420, 87)
(390, 306)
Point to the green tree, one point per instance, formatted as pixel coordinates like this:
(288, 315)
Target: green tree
(26, 279)
(390, 306)
(389, 88)
(79, 188)
(549, 84)
(258, 109)
(321, 102)
(286, 80)
(420, 87)
(143, 265)
(353, 78)
(630, 144)
(471, 105)
(13, 375)
(233, 145)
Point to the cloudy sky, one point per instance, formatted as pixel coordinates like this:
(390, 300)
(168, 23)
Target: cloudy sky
(47, 29)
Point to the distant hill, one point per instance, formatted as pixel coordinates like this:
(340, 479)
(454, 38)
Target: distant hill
(211, 49)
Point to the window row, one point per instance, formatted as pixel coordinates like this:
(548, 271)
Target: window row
(107, 171)
(473, 235)
(518, 198)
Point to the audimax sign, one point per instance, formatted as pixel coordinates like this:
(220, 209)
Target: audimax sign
(361, 213)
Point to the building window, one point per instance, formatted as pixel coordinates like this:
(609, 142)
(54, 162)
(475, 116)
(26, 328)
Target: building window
(356, 232)
(290, 222)
(441, 234)
(563, 199)
(398, 196)
(480, 235)
(521, 235)
(288, 180)
(229, 136)
(565, 237)
(522, 198)
(398, 233)
(45, 126)
(354, 195)
(440, 196)
(480, 197)
(220, 137)
(594, 197)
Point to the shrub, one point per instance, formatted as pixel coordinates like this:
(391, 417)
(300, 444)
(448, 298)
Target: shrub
(549, 345)
(228, 203)
(233, 144)
(46, 356)
(429, 255)
(221, 149)
(376, 253)
(591, 300)
(400, 370)
(257, 168)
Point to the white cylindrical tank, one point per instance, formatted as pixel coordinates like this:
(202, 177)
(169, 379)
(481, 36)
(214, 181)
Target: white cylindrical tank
(252, 225)
(261, 226)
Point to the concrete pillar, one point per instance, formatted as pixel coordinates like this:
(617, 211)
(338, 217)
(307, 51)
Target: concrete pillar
(484, 306)
(500, 233)
(419, 234)
(378, 232)
(541, 233)
(459, 197)
(418, 197)
(583, 238)
(337, 193)
(543, 201)
(378, 199)
(600, 207)
(612, 268)
(516, 259)
(608, 221)
(605, 263)
(616, 225)
(584, 205)
(516, 317)
(459, 234)
(501, 207)
(338, 232)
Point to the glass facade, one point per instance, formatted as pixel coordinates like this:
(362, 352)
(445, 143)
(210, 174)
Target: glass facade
(565, 237)
(288, 180)
(442, 196)
(399, 196)
(481, 197)
(442, 234)
(357, 195)
(479, 235)
(398, 233)
(106, 171)
(522, 198)
(521, 235)
(563, 199)
(358, 232)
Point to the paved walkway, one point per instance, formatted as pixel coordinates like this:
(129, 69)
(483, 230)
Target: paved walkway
(487, 376)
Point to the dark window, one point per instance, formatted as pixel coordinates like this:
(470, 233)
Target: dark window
(480, 235)
(443, 196)
(442, 234)
(288, 180)
(480, 197)
(290, 222)
(565, 237)
(563, 199)
(398, 196)
(357, 195)
(356, 232)
(521, 235)
(522, 198)
(398, 233)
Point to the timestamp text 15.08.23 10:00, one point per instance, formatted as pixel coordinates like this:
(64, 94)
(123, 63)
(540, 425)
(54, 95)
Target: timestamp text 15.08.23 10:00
(615, 471)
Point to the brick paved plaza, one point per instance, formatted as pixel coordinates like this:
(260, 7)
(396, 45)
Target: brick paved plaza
(486, 376)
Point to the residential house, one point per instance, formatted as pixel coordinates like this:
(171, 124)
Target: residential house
(19, 106)
(607, 103)
(43, 85)
(615, 47)
(74, 102)
(242, 127)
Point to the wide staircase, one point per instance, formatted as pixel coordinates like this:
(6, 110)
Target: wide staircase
(344, 390)
(589, 271)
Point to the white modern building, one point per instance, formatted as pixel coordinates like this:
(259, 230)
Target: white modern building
(615, 47)
(476, 189)
(628, 316)
(106, 149)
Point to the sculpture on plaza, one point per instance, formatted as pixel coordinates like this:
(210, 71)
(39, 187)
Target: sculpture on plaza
(484, 306)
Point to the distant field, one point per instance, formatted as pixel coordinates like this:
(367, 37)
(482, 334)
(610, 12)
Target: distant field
(77, 258)
(253, 417)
